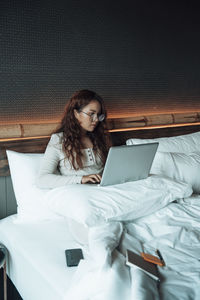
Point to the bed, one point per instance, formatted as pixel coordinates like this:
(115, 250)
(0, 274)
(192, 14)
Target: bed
(38, 234)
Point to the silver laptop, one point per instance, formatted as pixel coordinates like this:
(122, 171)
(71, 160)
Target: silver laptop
(128, 163)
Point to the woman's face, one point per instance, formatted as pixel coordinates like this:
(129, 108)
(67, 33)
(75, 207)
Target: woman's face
(88, 116)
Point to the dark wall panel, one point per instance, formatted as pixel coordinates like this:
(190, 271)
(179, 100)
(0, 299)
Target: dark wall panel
(8, 205)
(141, 56)
(3, 198)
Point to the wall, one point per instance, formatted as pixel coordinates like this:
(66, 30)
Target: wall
(141, 56)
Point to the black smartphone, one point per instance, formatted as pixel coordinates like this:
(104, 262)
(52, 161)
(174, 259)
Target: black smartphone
(73, 256)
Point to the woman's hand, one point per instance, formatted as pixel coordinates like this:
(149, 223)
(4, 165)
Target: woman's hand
(92, 178)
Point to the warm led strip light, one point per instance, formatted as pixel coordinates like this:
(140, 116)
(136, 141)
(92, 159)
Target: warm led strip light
(154, 127)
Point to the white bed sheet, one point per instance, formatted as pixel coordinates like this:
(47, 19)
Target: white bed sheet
(37, 257)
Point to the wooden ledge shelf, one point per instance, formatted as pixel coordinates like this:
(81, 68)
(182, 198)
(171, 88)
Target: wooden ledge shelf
(13, 131)
(26, 130)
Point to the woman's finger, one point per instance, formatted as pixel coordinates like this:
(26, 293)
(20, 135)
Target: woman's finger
(98, 177)
(94, 177)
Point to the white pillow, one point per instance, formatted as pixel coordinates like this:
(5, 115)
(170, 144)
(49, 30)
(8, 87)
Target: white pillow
(183, 143)
(23, 169)
(179, 166)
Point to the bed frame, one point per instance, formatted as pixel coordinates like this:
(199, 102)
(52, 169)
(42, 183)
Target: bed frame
(38, 144)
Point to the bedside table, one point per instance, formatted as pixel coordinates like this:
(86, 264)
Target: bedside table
(3, 265)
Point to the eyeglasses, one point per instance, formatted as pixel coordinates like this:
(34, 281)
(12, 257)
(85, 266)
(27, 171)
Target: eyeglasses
(93, 116)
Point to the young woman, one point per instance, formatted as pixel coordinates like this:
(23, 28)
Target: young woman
(77, 152)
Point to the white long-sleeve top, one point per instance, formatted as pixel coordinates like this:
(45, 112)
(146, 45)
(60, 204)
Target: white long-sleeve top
(56, 169)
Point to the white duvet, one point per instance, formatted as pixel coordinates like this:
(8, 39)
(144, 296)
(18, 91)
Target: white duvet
(93, 205)
(129, 216)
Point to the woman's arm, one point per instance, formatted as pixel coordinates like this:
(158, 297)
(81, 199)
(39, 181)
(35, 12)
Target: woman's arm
(47, 177)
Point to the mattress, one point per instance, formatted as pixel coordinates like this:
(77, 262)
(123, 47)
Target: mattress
(37, 258)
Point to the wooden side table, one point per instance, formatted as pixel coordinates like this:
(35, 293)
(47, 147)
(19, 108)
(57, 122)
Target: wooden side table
(3, 265)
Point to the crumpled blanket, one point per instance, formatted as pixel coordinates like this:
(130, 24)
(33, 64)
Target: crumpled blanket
(94, 205)
(174, 230)
(104, 275)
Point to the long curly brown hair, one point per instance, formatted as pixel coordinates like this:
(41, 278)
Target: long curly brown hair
(71, 129)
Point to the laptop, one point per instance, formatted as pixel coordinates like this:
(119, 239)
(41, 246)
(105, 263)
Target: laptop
(128, 163)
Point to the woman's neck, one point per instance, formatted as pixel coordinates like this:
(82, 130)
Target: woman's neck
(86, 142)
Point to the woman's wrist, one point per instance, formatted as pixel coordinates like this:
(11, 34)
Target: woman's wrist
(82, 179)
